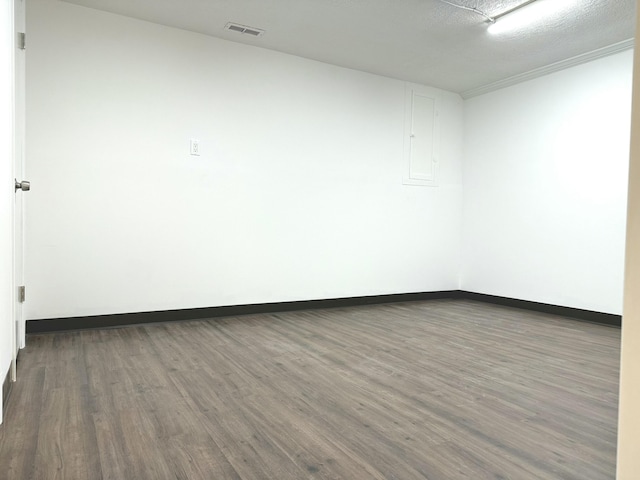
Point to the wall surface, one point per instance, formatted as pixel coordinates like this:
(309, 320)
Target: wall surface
(545, 169)
(297, 193)
(629, 410)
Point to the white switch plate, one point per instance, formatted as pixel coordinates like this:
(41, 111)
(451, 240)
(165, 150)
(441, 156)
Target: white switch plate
(194, 148)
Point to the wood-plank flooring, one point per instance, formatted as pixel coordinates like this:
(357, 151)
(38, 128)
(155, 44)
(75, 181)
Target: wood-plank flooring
(439, 390)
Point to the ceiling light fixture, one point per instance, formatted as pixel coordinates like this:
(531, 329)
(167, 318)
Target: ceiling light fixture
(472, 9)
(519, 16)
(511, 10)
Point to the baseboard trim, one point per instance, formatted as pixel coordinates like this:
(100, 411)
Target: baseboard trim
(7, 385)
(577, 313)
(124, 319)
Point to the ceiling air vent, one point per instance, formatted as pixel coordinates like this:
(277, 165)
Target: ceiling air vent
(235, 27)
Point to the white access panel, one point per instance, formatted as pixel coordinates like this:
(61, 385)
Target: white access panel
(421, 139)
(421, 164)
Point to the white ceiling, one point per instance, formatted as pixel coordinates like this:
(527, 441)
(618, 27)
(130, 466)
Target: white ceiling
(423, 41)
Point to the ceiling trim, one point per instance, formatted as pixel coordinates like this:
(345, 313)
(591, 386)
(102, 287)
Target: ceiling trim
(554, 67)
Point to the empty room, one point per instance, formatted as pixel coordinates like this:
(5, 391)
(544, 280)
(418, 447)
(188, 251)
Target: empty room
(319, 239)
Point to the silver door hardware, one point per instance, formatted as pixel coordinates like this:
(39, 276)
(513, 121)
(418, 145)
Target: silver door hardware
(24, 185)
(22, 293)
(22, 40)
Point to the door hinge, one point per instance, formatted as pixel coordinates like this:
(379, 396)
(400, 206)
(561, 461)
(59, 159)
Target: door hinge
(22, 293)
(22, 40)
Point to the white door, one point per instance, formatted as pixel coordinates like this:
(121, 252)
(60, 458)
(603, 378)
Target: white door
(18, 170)
(7, 325)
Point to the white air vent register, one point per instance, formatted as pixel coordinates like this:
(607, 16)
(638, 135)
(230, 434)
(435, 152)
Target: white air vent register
(235, 27)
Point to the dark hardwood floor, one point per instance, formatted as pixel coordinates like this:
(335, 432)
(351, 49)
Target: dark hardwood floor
(443, 389)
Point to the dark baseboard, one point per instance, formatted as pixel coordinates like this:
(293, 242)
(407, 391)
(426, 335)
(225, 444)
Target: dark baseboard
(123, 319)
(577, 313)
(7, 384)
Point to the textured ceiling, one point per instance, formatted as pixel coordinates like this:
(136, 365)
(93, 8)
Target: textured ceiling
(423, 41)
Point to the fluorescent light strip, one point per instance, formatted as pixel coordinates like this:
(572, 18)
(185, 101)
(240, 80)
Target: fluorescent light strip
(495, 27)
(472, 9)
(520, 17)
(489, 18)
(517, 7)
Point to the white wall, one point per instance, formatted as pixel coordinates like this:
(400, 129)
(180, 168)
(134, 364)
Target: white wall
(545, 177)
(297, 195)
